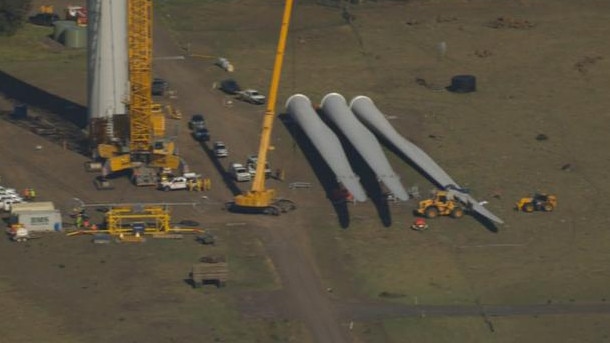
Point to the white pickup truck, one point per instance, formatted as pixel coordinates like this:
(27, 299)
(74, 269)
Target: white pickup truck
(239, 172)
(176, 183)
(252, 96)
(180, 182)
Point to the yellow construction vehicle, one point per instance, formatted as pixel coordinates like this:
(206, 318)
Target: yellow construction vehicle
(538, 202)
(441, 204)
(260, 199)
(145, 152)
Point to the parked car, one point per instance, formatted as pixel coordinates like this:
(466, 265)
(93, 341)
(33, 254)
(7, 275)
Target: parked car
(251, 163)
(230, 86)
(239, 172)
(220, 149)
(201, 134)
(252, 96)
(6, 203)
(197, 122)
(44, 19)
(8, 191)
(159, 87)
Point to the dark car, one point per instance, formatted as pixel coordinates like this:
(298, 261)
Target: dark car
(44, 19)
(159, 87)
(229, 86)
(197, 122)
(202, 134)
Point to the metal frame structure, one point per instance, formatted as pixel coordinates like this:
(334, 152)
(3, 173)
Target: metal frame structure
(120, 219)
(140, 75)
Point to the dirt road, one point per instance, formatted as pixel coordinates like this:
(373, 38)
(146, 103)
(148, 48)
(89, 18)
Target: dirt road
(303, 296)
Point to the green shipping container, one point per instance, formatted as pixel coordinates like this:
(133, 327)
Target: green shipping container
(76, 37)
(60, 29)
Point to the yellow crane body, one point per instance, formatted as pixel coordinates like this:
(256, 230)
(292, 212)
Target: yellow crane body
(140, 75)
(259, 198)
(146, 123)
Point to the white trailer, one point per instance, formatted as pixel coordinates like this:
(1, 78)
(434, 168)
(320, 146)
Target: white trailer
(37, 221)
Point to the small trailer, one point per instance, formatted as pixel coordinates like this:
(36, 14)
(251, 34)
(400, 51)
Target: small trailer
(210, 270)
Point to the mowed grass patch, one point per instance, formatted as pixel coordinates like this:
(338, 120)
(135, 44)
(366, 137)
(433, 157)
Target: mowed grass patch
(556, 328)
(394, 264)
(31, 56)
(27, 321)
(31, 43)
(250, 43)
(249, 266)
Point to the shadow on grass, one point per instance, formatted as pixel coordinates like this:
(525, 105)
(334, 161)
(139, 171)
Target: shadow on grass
(25, 93)
(323, 173)
(368, 178)
(226, 177)
(489, 225)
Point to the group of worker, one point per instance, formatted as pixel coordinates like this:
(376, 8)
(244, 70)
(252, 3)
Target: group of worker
(199, 184)
(29, 193)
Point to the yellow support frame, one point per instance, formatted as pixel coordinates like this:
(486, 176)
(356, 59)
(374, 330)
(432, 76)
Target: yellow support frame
(118, 219)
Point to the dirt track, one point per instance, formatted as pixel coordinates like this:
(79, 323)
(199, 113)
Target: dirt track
(285, 237)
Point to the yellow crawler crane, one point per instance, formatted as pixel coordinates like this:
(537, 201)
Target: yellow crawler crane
(261, 199)
(145, 154)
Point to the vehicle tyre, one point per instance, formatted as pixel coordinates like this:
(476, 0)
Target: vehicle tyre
(272, 210)
(548, 208)
(529, 207)
(286, 205)
(166, 189)
(431, 212)
(457, 213)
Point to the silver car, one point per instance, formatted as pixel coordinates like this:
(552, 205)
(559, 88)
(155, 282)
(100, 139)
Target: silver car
(220, 149)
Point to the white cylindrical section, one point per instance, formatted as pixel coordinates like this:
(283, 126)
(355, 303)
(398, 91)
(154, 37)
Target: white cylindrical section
(366, 111)
(108, 64)
(326, 142)
(367, 145)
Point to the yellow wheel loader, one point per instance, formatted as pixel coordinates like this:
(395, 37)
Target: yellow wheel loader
(538, 202)
(442, 204)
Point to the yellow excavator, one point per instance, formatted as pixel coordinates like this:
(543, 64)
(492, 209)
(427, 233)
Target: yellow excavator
(145, 153)
(261, 199)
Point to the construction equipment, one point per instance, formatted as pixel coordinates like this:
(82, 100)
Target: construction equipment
(441, 204)
(261, 199)
(46, 9)
(145, 152)
(18, 233)
(419, 224)
(127, 221)
(78, 14)
(537, 202)
(210, 269)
